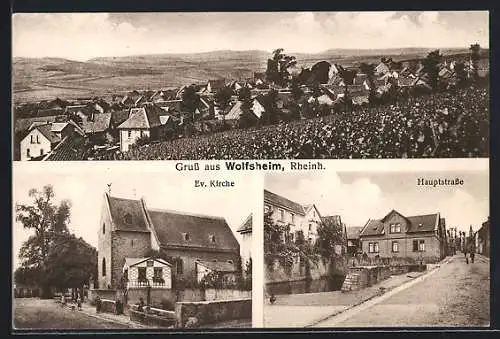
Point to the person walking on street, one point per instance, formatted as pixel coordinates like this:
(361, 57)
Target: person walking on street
(79, 302)
(63, 300)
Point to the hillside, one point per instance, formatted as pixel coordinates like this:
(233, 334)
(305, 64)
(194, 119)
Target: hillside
(47, 78)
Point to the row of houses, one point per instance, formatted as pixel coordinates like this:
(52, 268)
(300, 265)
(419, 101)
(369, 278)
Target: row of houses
(394, 235)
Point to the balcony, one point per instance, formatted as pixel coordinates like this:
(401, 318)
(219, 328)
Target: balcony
(153, 283)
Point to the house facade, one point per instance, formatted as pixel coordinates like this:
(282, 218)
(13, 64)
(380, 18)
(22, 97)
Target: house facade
(245, 231)
(353, 242)
(39, 141)
(483, 235)
(147, 271)
(300, 218)
(395, 235)
(128, 229)
(141, 122)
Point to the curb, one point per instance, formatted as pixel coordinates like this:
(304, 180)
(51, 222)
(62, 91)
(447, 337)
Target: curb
(376, 295)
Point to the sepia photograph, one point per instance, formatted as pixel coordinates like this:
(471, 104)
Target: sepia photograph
(377, 249)
(116, 248)
(250, 85)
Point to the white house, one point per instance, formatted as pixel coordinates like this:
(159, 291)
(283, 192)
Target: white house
(142, 272)
(258, 107)
(39, 141)
(141, 122)
(300, 218)
(245, 231)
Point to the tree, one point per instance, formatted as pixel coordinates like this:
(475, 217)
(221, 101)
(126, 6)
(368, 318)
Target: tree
(369, 70)
(222, 99)
(70, 262)
(190, 101)
(431, 67)
(277, 67)
(474, 60)
(297, 94)
(48, 221)
(461, 73)
(247, 117)
(330, 234)
(271, 107)
(320, 72)
(347, 78)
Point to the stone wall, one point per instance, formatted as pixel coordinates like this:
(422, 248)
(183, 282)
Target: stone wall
(108, 306)
(127, 245)
(361, 277)
(299, 272)
(155, 317)
(226, 294)
(211, 312)
(159, 295)
(103, 294)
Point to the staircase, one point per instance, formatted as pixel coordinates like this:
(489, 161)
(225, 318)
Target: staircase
(351, 282)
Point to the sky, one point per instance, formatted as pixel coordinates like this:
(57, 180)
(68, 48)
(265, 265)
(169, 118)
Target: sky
(81, 36)
(359, 196)
(85, 186)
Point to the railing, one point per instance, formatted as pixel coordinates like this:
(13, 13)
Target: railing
(142, 283)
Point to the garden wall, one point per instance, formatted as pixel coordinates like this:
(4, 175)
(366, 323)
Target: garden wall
(162, 295)
(318, 270)
(103, 294)
(211, 312)
(155, 317)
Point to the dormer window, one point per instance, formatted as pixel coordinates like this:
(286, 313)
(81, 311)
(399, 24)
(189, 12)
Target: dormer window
(230, 262)
(127, 218)
(395, 228)
(186, 236)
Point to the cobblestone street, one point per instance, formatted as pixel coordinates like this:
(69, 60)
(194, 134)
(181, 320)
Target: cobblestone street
(454, 294)
(457, 294)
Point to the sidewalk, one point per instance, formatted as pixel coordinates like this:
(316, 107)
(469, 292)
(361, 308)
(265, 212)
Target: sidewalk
(122, 319)
(304, 310)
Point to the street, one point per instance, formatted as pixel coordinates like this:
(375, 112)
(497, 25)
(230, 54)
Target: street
(456, 294)
(33, 313)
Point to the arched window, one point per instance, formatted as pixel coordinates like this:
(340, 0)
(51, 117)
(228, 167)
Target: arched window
(103, 267)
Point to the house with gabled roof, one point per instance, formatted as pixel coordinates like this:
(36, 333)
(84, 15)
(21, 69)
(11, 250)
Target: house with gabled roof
(300, 218)
(410, 237)
(128, 228)
(98, 127)
(147, 271)
(141, 122)
(245, 231)
(39, 141)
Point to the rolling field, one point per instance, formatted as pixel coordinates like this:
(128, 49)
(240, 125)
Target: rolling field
(48, 78)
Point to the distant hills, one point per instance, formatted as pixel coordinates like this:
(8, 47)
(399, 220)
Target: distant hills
(46, 78)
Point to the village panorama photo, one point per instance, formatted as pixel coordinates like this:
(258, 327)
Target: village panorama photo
(256, 85)
(132, 249)
(377, 249)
